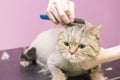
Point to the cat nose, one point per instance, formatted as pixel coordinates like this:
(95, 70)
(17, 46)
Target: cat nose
(71, 53)
(73, 50)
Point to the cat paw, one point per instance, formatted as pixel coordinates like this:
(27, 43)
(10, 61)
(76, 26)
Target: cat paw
(25, 63)
(59, 78)
(44, 71)
(99, 78)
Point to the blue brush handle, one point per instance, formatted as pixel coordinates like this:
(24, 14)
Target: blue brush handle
(76, 20)
(44, 16)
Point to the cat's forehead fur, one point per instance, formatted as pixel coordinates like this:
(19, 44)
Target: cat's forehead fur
(78, 30)
(73, 33)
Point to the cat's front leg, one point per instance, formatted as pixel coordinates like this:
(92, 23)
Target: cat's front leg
(97, 74)
(57, 74)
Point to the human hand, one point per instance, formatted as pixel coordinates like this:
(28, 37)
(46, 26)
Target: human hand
(60, 11)
(86, 64)
(103, 57)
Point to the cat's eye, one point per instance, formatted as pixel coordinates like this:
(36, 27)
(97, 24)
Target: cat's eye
(82, 46)
(66, 43)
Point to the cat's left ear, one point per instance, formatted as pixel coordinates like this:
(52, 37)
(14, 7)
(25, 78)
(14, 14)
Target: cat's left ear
(95, 30)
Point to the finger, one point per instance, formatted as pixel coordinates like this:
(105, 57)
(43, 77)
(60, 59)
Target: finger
(87, 64)
(62, 13)
(68, 7)
(64, 4)
(50, 15)
(71, 13)
(84, 65)
(56, 15)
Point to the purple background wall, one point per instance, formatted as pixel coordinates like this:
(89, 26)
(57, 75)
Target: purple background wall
(20, 23)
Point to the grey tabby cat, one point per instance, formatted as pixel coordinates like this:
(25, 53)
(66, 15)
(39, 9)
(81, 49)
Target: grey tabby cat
(60, 50)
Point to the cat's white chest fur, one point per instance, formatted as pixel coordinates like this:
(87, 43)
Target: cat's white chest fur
(45, 44)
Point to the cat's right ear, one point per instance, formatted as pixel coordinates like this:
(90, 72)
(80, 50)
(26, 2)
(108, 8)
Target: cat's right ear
(95, 30)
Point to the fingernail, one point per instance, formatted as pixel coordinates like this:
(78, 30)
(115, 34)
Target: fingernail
(56, 22)
(71, 20)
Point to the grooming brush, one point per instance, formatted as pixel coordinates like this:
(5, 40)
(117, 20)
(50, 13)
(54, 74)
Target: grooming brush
(76, 20)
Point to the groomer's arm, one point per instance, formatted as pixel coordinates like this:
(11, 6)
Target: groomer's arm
(110, 54)
(105, 56)
(60, 11)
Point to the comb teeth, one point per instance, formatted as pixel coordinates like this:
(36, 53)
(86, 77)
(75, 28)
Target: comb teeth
(78, 20)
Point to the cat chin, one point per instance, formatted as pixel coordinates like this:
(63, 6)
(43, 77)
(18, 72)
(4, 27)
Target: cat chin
(73, 61)
(76, 60)
(70, 59)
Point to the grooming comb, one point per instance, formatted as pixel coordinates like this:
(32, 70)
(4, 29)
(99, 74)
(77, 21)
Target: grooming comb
(76, 20)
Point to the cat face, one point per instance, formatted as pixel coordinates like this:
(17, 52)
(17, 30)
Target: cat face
(78, 44)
